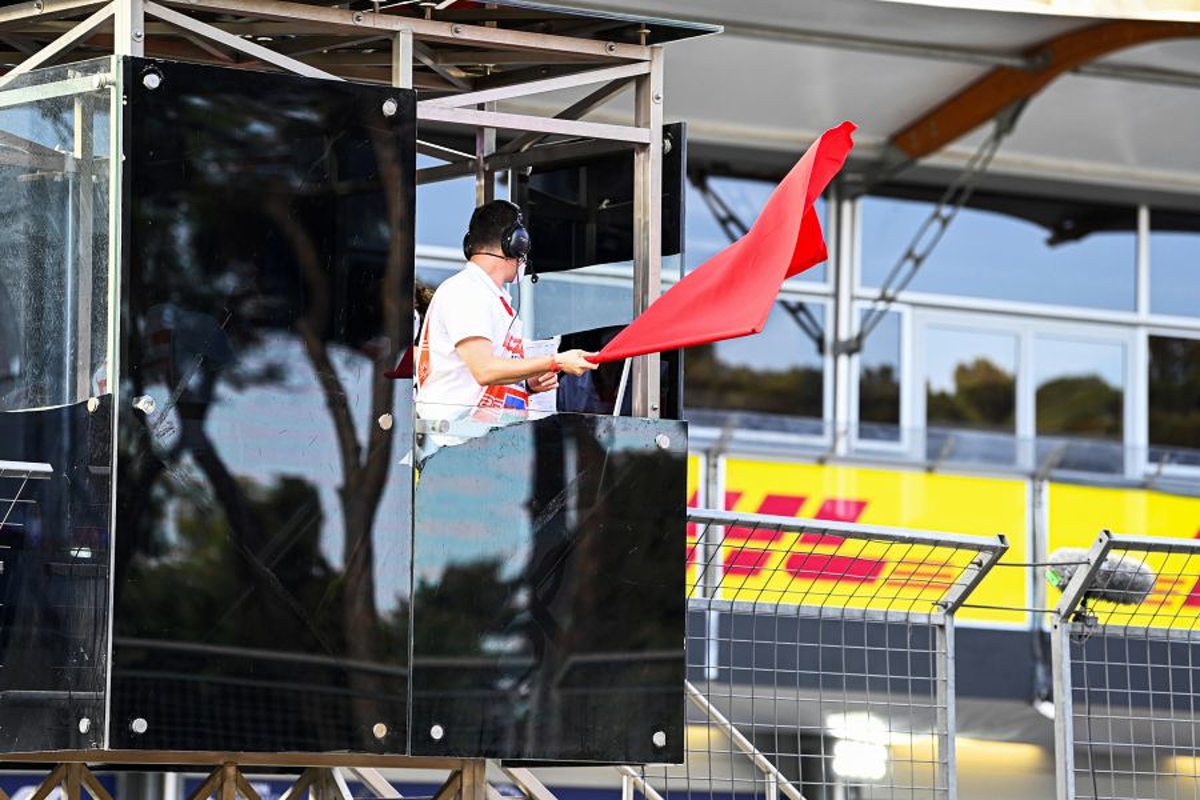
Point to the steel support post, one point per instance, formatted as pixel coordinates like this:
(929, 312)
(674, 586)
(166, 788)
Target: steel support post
(402, 58)
(842, 221)
(947, 720)
(83, 171)
(1064, 711)
(129, 28)
(647, 225)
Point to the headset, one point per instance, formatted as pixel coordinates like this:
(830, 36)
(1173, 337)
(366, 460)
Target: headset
(514, 240)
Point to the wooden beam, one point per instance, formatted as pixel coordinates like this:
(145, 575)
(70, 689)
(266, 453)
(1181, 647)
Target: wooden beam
(1004, 86)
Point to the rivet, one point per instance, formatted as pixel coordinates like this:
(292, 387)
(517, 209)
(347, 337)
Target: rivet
(457, 30)
(152, 80)
(663, 441)
(385, 421)
(657, 97)
(379, 730)
(138, 35)
(359, 18)
(139, 726)
(85, 725)
(390, 107)
(659, 738)
(436, 733)
(610, 47)
(93, 405)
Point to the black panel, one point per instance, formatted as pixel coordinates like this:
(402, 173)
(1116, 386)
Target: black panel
(579, 211)
(54, 555)
(263, 536)
(549, 606)
(596, 392)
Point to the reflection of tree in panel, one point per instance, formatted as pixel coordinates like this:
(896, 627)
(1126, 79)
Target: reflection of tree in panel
(210, 572)
(1084, 405)
(246, 237)
(984, 397)
(712, 383)
(879, 395)
(1174, 377)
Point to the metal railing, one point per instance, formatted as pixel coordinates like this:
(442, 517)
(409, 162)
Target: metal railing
(1126, 648)
(821, 659)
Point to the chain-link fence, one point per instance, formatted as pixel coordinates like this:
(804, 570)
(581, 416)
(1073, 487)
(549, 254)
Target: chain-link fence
(820, 659)
(1126, 649)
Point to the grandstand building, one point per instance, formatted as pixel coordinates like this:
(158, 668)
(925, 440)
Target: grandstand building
(1006, 336)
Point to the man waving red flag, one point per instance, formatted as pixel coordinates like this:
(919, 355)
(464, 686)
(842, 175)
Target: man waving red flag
(731, 294)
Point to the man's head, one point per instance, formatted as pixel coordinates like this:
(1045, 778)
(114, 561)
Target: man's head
(497, 229)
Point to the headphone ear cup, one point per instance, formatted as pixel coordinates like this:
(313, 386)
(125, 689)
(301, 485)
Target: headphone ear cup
(516, 241)
(467, 246)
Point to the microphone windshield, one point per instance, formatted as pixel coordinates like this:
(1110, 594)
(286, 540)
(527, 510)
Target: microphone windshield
(1120, 579)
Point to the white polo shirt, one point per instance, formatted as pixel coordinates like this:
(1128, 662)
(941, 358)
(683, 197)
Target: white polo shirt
(468, 304)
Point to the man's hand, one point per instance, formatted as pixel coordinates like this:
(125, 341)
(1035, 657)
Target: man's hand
(547, 382)
(575, 362)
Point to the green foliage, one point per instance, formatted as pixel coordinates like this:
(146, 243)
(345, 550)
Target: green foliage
(712, 383)
(984, 397)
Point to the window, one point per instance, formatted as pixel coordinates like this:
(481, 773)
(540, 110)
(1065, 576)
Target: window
(1175, 273)
(970, 394)
(1174, 400)
(774, 381)
(999, 257)
(879, 382)
(1080, 403)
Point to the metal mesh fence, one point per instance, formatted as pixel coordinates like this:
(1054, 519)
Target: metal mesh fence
(820, 659)
(1126, 643)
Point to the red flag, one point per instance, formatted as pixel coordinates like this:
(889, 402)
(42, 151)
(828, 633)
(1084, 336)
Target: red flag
(731, 294)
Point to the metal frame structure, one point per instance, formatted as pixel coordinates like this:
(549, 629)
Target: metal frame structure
(471, 66)
(859, 586)
(1144, 651)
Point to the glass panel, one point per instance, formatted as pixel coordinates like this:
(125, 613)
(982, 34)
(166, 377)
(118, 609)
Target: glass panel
(53, 242)
(548, 611)
(262, 578)
(1174, 395)
(55, 500)
(1080, 403)
(1174, 273)
(564, 303)
(879, 382)
(772, 381)
(970, 394)
(55, 410)
(745, 199)
(999, 257)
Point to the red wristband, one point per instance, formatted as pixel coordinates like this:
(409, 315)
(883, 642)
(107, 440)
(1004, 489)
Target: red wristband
(554, 362)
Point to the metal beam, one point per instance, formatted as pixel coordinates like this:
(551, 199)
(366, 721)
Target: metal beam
(254, 49)
(576, 110)
(571, 81)
(647, 226)
(47, 9)
(422, 28)
(426, 57)
(525, 122)
(129, 27)
(402, 58)
(1004, 86)
(60, 45)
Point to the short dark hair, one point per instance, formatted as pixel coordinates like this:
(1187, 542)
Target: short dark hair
(488, 224)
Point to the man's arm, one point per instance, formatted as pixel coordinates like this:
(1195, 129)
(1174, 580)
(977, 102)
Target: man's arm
(489, 369)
